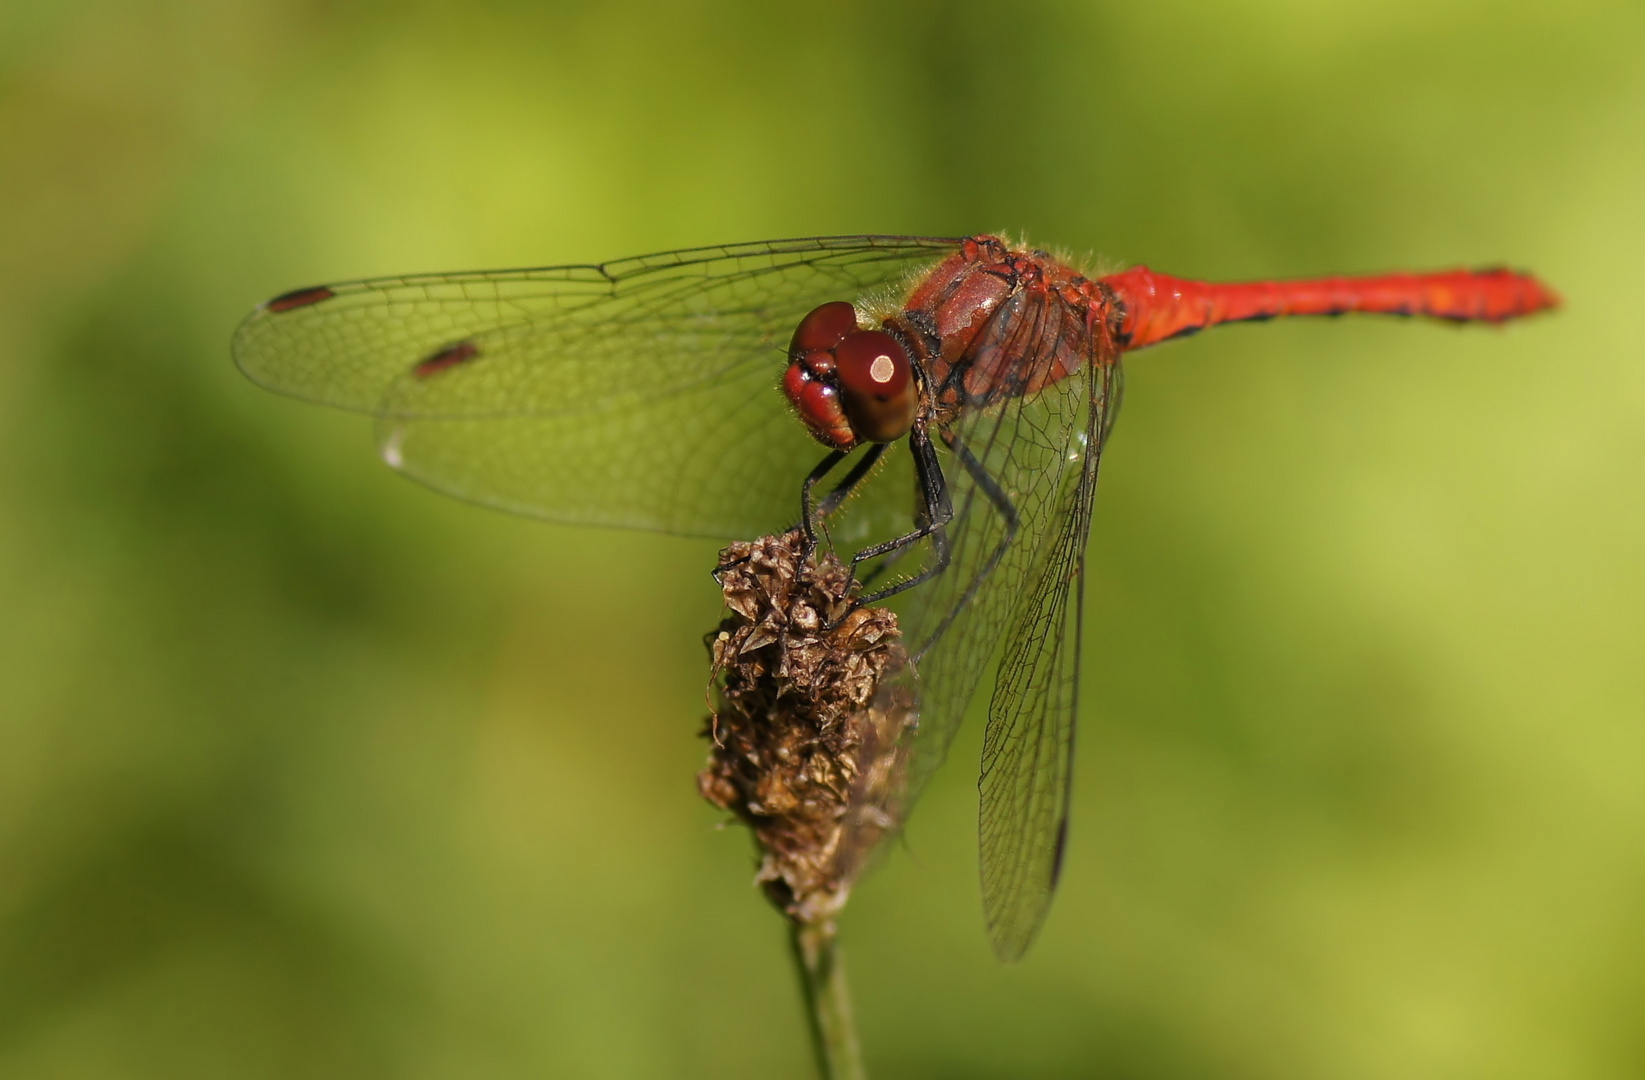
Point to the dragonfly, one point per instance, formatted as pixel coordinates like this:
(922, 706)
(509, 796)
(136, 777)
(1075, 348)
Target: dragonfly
(964, 386)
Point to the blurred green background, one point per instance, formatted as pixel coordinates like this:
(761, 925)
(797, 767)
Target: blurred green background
(308, 772)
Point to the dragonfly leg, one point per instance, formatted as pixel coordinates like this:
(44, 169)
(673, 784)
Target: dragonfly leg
(1003, 506)
(844, 488)
(936, 511)
(810, 516)
(816, 513)
(723, 567)
(921, 515)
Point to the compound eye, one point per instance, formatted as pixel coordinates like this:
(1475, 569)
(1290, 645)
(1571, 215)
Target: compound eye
(823, 328)
(872, 362)
(876, 385)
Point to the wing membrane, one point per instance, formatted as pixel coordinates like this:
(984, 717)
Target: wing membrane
(1011, 595)
(641, 392)
(1028, 747)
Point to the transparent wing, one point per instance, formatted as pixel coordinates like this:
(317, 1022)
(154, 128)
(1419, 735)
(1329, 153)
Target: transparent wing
(1022, 475)
(641, 392)
(1028, 747)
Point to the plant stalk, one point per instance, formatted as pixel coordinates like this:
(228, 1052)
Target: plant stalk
(827, 1000)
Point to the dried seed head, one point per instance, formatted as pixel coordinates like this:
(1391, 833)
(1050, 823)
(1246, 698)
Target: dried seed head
(809, 741)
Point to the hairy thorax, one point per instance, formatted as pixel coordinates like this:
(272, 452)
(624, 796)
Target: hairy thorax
(989, 323)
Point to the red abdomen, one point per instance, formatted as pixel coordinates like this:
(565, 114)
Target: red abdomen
(1157, 307)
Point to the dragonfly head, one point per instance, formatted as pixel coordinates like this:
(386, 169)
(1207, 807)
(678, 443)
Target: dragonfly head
(848, 385)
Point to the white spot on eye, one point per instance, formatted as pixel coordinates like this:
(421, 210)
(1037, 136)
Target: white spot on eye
(391, 448)
(882, 369)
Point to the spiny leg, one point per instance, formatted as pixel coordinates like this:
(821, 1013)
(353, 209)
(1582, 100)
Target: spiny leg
(935, 512)
(1002, 504)
(809, 517)
(815, 515)
(844, 488)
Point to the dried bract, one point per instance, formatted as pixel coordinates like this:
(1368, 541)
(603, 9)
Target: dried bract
(809, 746)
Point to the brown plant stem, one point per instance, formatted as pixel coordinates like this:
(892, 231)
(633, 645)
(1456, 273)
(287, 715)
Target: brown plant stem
(827, 1000)
(809, 748)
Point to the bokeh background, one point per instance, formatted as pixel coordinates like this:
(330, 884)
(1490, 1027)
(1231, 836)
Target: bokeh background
(308, 772)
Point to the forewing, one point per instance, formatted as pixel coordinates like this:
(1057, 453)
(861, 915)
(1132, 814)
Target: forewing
(642, 392)
(1011, 596)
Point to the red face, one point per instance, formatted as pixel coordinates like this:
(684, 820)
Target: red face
(849, 385)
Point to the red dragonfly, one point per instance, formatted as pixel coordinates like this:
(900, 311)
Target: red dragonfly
(687, 392)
